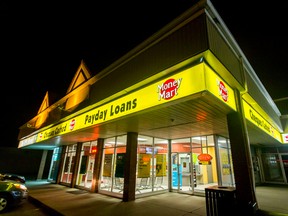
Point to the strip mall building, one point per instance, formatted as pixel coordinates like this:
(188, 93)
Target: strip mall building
(169, 116)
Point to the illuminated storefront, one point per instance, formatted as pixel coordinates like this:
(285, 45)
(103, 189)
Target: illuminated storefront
(174, 126)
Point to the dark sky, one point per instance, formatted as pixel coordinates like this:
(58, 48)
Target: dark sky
(43, 43)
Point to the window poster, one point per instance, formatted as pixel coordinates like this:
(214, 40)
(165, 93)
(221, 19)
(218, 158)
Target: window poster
(226, 168)
(107, 165)
(120, 165)
(144, 165)
(160, 165)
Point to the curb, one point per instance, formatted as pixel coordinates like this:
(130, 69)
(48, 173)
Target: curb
(46, 208)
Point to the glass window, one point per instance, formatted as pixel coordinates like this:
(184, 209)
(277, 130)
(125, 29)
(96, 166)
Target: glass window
(145, 153)
(54, 165)
(183, 177)
(205, 163)
(112, 178)
(151, 172)
(86, 165)
(272, 168)
(69, 163)
(225, 162)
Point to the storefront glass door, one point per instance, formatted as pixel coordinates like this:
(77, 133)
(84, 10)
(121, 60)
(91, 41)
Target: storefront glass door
(189, 173)
(182, 177)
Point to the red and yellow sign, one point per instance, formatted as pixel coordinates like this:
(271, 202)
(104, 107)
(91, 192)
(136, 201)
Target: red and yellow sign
(204, 159)
(254, 116)
(193, 80)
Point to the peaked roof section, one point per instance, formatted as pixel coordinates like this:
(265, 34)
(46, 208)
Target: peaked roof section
(81, 76)
(45, 103)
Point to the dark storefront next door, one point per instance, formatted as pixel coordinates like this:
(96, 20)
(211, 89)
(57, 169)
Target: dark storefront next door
(275, 167)
(285, 166)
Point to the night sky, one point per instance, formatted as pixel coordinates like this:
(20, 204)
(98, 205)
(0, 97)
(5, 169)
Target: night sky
(43, 43)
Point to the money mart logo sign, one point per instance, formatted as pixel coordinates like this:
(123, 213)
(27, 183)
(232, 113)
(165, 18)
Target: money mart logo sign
(168, 89)
(223, 91)
(285, 138)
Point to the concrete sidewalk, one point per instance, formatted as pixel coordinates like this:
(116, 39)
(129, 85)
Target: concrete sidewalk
(62, 200)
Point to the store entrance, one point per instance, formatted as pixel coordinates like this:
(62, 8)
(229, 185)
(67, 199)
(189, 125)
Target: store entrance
(194, 164)
(183, 179)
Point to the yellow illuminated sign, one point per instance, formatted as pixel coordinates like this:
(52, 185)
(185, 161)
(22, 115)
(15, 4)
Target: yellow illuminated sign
(219, 88)
(285, 138)
(196, 79)
(188, 82)
(253, 116)
(180, 85)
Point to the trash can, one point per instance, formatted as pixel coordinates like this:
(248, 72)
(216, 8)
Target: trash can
(220, 200)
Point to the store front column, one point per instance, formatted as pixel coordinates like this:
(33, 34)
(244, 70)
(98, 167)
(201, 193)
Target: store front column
(130, 167)
(42, 165)
(243, 170)
(97, 165)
